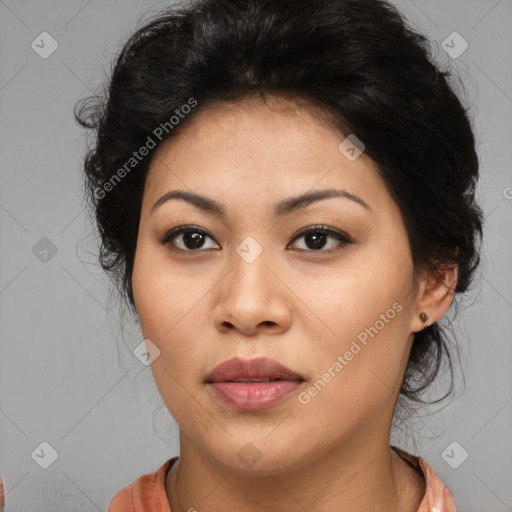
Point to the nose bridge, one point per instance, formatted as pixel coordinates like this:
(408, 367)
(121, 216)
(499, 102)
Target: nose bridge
(250, 274)
(251, 292)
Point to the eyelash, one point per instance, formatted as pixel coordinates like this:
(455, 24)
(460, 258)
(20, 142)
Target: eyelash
(344, 238)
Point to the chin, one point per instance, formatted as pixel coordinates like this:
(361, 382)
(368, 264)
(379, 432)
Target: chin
(259, 455)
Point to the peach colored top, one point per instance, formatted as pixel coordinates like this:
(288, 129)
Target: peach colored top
(147, 493)
(2, 494)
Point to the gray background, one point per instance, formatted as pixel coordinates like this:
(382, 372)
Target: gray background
(60, 377)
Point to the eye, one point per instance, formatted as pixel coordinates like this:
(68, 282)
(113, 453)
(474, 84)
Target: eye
(316, 237)
(192, 239)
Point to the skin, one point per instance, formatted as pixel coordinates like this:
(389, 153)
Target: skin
(298, 304)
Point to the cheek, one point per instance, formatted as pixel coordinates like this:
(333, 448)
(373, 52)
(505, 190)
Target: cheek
(171, 309)
(357, 351)
(354, 381)
(356, 300)
(163, 292)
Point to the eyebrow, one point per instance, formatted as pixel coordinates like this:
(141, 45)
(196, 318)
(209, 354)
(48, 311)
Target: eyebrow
(281, 209)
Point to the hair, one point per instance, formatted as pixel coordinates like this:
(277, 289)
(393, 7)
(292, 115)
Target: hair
(359, 61)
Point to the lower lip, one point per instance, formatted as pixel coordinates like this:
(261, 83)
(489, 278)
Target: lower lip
(247, 396)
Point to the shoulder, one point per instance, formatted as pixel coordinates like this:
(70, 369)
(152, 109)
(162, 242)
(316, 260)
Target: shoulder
(437, 497)
(123, 500)
(145, 494)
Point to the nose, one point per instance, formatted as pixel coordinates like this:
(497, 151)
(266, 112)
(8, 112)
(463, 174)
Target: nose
(253, 299)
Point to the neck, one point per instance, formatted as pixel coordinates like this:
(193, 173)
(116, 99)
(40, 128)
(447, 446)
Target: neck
(364, 476)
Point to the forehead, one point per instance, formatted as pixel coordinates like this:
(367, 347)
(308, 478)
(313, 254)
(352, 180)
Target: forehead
(249, 150)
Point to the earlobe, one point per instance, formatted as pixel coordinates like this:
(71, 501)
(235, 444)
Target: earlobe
(435, 297)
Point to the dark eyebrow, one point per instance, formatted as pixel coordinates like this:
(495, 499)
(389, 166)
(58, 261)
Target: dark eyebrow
(282, 208)
(294, 203)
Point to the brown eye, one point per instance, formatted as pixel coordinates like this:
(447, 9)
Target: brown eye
(194, 239)
(316, 238)
(190, 238)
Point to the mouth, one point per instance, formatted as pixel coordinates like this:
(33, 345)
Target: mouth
(253, 384)
(253, 380)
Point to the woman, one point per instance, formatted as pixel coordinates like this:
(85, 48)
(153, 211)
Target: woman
(285, 196)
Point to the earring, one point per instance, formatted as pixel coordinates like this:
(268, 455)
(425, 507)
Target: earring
(423, 317)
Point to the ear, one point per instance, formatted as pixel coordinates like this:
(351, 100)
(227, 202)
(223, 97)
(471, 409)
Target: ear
(435, 296)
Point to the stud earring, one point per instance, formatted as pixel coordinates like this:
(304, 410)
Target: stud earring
(423, 317)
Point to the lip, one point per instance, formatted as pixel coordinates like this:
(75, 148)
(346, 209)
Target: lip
(247, 395)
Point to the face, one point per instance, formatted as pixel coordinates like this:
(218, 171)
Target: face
(336, 306)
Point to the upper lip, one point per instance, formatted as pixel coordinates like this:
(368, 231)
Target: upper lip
(257, 368)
